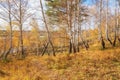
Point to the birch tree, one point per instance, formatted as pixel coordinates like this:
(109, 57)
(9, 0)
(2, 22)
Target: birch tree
(107, 27)
(68, 12)
(48, 32)
(116, 35)
(6, 15)
(100, 25)
(21, 13)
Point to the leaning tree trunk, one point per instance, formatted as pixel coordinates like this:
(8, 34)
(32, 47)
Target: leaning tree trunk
(45, 48)
(83, 41)
(48, 33)
(6, 53)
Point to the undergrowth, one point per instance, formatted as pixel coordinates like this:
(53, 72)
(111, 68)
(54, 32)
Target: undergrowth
(86, 65)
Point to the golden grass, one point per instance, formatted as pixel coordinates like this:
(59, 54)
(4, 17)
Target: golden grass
(86, 65)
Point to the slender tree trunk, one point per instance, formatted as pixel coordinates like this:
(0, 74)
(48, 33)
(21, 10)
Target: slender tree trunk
(115, 37)
(107, 34)
(46, 26)
(74, 48)
(74, 28)
(116, 25)
(37, 46)
(84, 43)
(119, 22)
(70, 47)
(53, 49)
(74, 43)
(45, 48)
(100, 31)
(71, 42)
(78, 36)
(74, 37)
(69, 23)
(6, 53)
(4, 49)
(22, 54)
(102, 43)
(78, 22)
(78, 48)
(69, 26)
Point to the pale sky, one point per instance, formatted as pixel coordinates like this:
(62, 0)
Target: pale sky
(34, 5)
(35, 8)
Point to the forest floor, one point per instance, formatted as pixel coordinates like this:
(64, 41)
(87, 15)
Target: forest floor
(86, 65)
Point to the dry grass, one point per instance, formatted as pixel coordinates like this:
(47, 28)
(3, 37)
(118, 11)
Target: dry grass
(87, 65)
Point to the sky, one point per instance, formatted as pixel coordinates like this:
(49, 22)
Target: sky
(34, 5)
(35, 8)
(88, 2)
